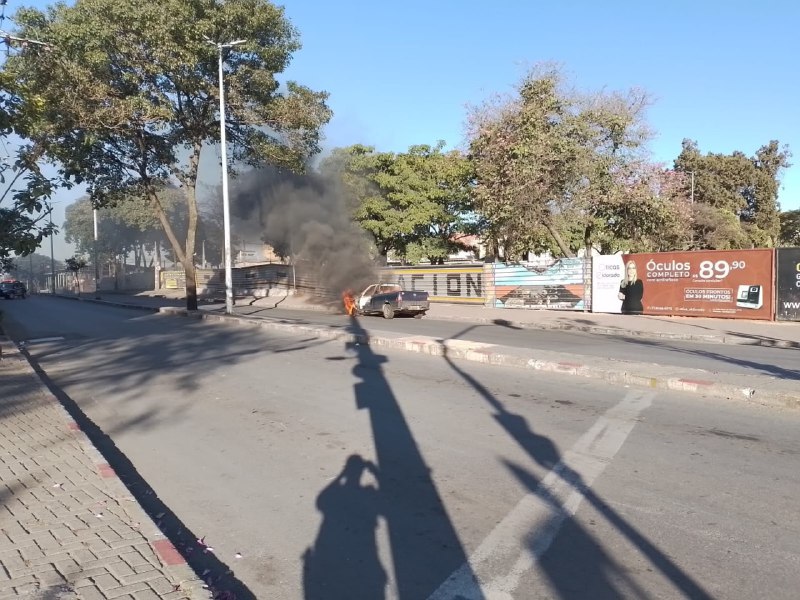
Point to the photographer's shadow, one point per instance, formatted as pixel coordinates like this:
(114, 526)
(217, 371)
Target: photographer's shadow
(344, 561)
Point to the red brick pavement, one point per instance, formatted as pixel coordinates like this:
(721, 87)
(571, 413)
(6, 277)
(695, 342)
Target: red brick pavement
(68, 526)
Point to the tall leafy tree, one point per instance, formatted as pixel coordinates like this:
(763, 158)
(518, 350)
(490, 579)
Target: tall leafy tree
(527, 160)
(417, 204)
(644, 210)
(735, 196)
(790, 228)
(620, 198)
(132, 95)
(551, 159)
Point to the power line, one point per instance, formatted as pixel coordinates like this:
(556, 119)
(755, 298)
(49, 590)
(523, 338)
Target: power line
(11, 41)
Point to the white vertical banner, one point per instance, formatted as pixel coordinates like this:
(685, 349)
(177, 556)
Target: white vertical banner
(607, 274)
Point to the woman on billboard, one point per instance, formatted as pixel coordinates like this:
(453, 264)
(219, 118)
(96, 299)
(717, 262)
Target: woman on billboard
(631, 291)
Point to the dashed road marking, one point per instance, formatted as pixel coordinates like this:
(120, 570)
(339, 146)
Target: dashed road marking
(512, 548)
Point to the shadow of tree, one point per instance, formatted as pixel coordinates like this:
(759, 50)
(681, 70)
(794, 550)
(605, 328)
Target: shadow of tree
(124, 363)
(705, 352)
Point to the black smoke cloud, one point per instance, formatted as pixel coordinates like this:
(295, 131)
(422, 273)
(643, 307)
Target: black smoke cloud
(304, 218)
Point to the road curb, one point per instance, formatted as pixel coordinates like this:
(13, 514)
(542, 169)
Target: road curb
(634, 374)
(740, 340)
(732, 339)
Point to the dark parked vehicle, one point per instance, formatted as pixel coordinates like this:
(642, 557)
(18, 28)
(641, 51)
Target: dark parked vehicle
(390, 299)
(12, 289)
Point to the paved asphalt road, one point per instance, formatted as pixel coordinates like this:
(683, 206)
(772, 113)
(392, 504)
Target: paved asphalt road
(726, 358)
(341, 472)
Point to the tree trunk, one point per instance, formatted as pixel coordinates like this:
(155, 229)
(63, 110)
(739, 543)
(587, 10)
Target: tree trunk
(177, 249)
(587, 240)
(188, 263)
(558, 239)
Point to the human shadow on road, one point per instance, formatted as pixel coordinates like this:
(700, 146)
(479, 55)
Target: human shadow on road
(344, 561)
(578, 567)
(425, 547)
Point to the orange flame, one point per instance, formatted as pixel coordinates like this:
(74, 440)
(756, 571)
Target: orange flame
(349, 302)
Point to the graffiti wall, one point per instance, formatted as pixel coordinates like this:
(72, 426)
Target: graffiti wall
(458, 284)
(554, 284)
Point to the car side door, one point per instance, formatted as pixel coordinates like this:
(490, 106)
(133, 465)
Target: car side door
(365, 299)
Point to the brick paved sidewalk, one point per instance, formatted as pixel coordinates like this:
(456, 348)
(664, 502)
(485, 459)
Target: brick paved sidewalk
(68, 526)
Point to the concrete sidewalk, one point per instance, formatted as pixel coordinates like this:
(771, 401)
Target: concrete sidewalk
(70, 528)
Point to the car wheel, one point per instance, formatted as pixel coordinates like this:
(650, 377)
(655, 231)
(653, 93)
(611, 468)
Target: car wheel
(388, 312)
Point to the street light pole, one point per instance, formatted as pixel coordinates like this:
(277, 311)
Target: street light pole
(692, 199)
(52, 256)
(96, 265)
(224, 155)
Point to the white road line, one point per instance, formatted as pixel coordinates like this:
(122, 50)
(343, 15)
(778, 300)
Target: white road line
(48, 339)
(512, 548)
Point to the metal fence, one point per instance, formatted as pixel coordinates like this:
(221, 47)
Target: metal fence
(546, 283)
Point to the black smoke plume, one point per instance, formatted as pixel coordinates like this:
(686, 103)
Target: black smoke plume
(305, 219)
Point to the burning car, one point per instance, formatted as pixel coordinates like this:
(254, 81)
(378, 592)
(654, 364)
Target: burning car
(387, 299)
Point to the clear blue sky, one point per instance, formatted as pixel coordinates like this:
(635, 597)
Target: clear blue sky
(403, 73)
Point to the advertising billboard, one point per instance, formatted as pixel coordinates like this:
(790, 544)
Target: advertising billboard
(736, 284)
(607, 275)
(787, 284)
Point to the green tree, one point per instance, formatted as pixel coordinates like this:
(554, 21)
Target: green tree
(132, 96)
(552, 162)
(25, 185)
(646, 211)
(735, 196)
(75, 265)
(417, 204)
(620, 198)
(128, 226)
(526, 160)
(438, 187)
(790, 228)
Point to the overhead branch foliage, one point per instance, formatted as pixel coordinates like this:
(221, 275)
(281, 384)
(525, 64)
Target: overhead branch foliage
(131, 94)
(25, 185)
(735, 196)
